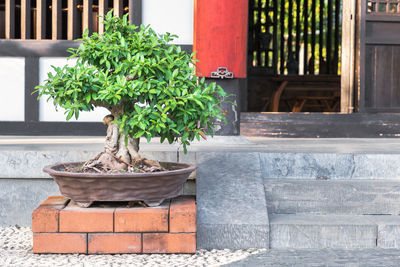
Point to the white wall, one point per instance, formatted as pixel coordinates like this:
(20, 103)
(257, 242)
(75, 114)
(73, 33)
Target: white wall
(47, 110)
(12, 88)
(173, 16)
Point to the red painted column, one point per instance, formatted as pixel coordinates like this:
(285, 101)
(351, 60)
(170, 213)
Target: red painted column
(220, 36)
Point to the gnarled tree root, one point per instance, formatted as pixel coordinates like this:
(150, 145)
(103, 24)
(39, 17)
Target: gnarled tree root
(121, 154)
(106, 162)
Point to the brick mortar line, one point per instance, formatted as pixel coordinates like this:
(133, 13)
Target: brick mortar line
(58, 221)
(59, 213)
(114, 220)
(169, 216)
(141, 242)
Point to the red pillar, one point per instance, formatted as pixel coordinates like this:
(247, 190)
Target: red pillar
(220, 36)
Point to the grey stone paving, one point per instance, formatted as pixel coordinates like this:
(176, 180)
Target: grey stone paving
(231, 208)
(310, 231)
(316, 165)
(289, 196)
(316, 258)
(307, 231)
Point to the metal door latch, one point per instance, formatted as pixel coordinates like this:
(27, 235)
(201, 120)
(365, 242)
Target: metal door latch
(222, 73)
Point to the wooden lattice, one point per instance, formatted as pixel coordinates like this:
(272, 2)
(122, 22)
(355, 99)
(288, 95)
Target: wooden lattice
(262, 35)
(384, 6)
(294, 37)
(56, 19)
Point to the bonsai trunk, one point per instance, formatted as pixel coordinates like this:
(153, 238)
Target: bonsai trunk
(118, 156)
(115, 145)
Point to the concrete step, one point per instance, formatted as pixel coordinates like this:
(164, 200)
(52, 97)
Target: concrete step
(346, 197)
(334, 231)
(331, 166)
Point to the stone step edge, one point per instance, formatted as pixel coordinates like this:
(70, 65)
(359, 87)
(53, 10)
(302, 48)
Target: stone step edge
(329, 219)
(324, 197)
(325, 179)
(321, 179)
(373, 231)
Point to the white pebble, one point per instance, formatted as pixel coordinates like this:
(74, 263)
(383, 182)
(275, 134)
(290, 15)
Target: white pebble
(16, 250)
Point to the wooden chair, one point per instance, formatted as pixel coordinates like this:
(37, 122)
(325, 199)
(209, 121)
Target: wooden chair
(326, 103)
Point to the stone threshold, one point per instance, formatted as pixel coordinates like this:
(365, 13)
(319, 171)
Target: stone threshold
(214, 144)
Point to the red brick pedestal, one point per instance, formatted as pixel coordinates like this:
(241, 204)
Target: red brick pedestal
(59, 226)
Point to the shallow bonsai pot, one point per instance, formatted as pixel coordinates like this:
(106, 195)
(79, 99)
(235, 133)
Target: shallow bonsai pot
(151, 188)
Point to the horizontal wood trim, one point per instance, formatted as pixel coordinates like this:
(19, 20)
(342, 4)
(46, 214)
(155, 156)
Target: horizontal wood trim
(320, 125)
(307, 78)
(382, 41)
(52, 128)
(34, 48)
(382, 110)
(312, 117)
(388, 18)
(46, 48)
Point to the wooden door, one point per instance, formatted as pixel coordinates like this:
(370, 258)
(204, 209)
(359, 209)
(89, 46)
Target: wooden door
(380, 56)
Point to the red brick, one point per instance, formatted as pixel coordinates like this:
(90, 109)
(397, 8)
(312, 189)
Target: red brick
(55, 201)
(169, 243)
(182, 215)
(114, 243)
(76, 219)
(59, 243)
(150, 219)
(45, 217)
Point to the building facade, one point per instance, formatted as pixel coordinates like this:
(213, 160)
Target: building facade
(307, 68)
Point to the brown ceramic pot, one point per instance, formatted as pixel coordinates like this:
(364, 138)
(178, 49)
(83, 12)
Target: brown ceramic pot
(151, 188)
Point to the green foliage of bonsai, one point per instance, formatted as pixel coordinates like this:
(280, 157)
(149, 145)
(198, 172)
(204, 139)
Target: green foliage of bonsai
(148, 85)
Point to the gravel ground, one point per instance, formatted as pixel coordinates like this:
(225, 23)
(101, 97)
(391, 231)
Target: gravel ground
(16, 250)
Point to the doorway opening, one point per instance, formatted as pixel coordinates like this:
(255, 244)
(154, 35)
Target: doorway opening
(294, 55)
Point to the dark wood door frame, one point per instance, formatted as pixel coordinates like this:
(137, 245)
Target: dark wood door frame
(348, 56)
(379, 59)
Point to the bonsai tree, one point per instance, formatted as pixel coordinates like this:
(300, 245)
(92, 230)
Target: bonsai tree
(148, 85)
